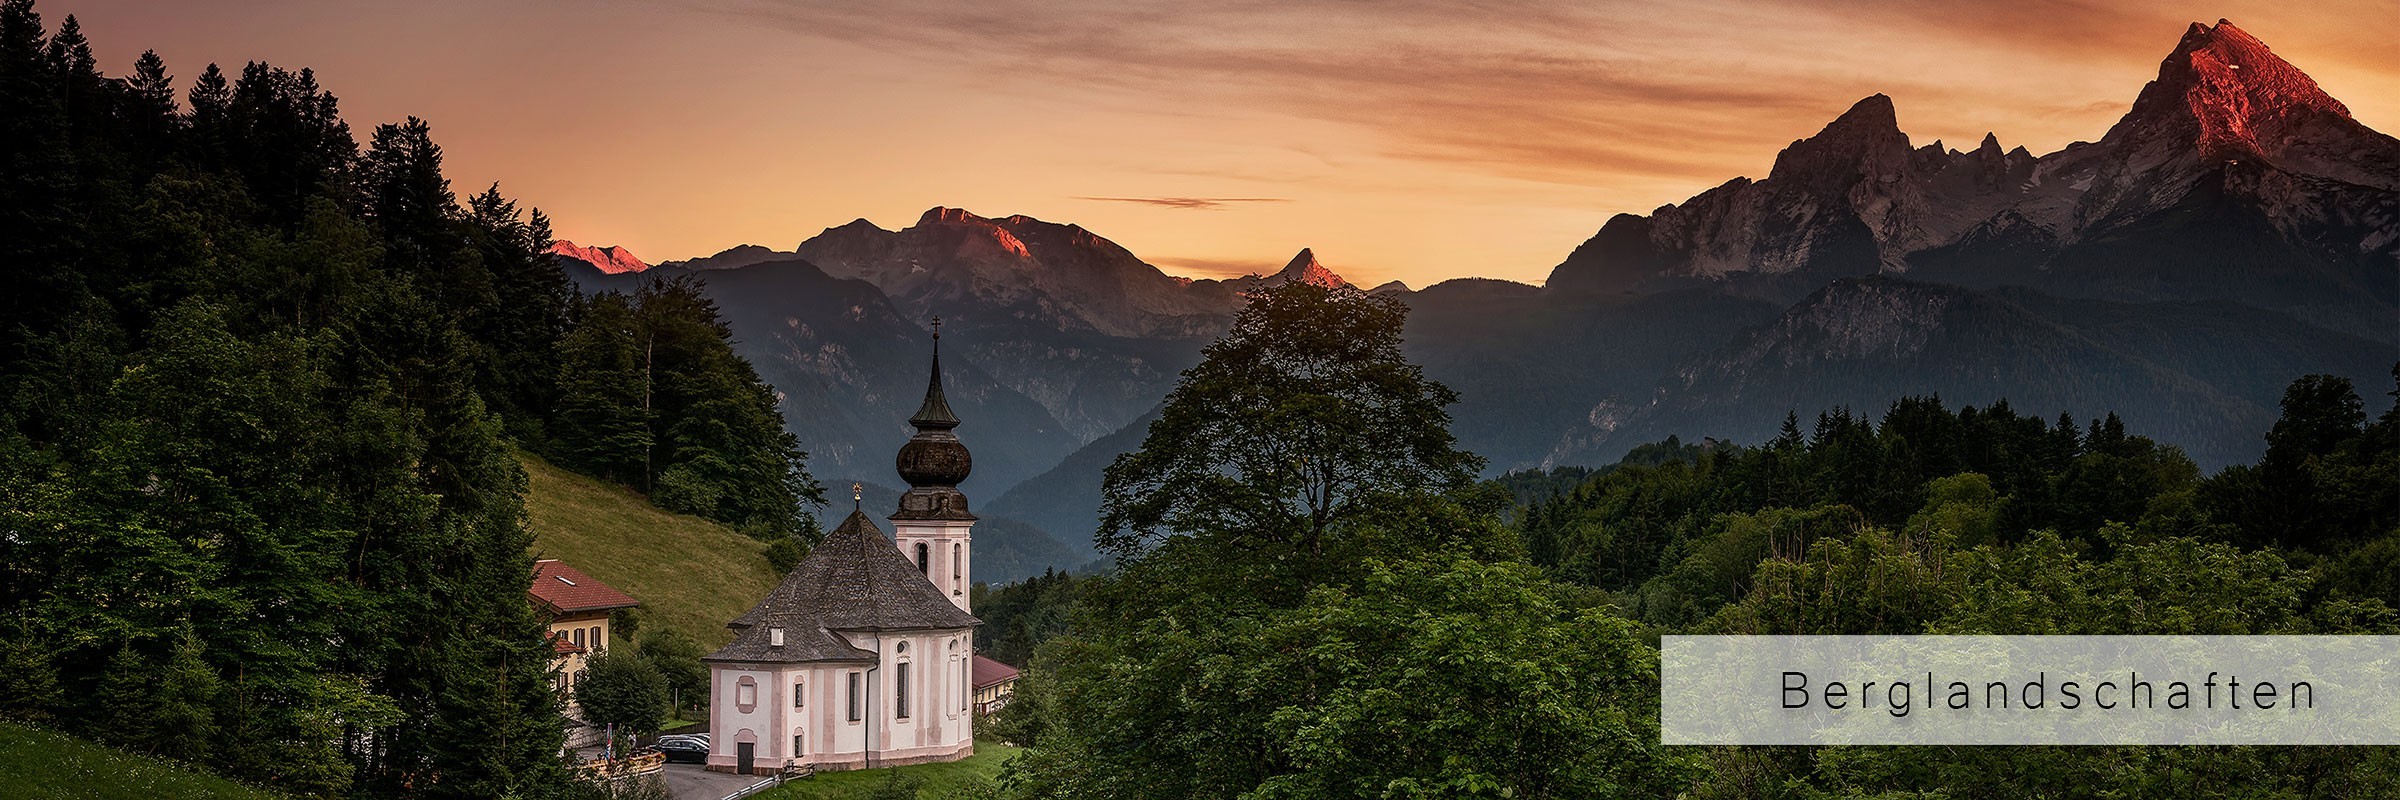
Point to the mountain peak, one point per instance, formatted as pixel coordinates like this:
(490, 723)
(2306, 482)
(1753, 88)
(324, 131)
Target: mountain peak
(1873, 112)
(1864, 140)
(737, 256)
(1305, 269)
(941, 214)
(2228, 93)
(612, 259)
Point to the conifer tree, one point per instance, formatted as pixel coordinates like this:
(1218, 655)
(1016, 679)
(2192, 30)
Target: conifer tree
(603, 425)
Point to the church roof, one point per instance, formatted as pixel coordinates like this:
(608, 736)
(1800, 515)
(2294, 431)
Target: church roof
(855, 579)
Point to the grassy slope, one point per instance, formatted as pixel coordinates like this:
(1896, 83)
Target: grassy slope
(941, 780)
(37, 763)
(691, 574)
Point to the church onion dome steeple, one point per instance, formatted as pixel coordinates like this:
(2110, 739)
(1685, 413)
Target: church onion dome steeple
(933, 461)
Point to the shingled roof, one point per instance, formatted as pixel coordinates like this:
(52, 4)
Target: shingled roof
(566, 590)
(855, 579)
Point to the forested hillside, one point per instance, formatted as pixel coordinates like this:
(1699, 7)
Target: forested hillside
(1312, 599)
(259, 390)
(1986, 521)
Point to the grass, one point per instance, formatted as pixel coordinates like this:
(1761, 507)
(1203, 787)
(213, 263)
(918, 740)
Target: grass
(690, 574)
(940, 780)
(38, 763)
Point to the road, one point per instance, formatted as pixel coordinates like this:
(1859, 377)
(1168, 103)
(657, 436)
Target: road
(690, 782)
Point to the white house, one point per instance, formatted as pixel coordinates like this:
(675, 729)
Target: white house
(863, 655)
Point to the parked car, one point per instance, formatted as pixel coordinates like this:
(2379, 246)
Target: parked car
(702, 738)
(684, 751)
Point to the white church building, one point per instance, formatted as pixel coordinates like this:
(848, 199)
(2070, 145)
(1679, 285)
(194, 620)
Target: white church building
(863, 656)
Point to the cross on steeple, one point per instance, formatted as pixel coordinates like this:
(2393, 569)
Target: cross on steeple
(857, 490)
(935, 413)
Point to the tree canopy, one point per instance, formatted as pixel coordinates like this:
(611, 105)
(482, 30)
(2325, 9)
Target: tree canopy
(261, 393)
(1304, 416)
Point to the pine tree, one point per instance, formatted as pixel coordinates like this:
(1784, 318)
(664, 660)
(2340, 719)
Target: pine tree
(184, 719)
(603, 425)
(31, 691)
(123, 702)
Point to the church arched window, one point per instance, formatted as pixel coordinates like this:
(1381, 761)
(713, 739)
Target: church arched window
(923, 555)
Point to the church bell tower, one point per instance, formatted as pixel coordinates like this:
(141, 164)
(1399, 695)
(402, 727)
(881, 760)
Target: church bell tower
(932, 524)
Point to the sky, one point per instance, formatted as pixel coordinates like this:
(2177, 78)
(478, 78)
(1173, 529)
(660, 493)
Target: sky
(1408, 140)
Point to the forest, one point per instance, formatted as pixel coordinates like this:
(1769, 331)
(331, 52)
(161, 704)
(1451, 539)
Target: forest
(262, 391)
(1314, 598)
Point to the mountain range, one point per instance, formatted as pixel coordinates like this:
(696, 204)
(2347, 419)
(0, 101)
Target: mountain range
(2235, 229)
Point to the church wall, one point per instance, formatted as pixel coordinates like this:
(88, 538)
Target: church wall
(845, 738)
(940, 720)
(731, 722)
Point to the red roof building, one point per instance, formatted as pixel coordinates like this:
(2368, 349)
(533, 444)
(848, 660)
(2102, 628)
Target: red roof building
(992, 673)
(564, 591)
(576, 608)
(994, 683)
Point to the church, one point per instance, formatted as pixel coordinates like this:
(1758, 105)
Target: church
(863, 656)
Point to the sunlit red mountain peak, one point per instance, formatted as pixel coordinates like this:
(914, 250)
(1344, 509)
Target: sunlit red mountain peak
(938, 215)
(2231, 95)
(2227, 129)
(984, 232)
(1304, 268)
(611, 259)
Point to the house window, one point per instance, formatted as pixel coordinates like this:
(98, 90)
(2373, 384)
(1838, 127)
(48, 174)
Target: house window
(900, 695)
(799, 694)
(854, 695)
(597, 641)
(579, 631)
(922, 557)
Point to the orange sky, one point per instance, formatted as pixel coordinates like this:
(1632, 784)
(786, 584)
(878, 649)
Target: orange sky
(1413, 140)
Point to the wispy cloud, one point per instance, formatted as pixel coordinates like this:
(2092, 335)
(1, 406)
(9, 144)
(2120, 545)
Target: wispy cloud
(1189, 203)
(1587, 93)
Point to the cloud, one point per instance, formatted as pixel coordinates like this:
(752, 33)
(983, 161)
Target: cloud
(1614, 92)
(1189, 203)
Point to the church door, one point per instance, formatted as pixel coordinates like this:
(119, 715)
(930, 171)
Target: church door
(747, 753)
